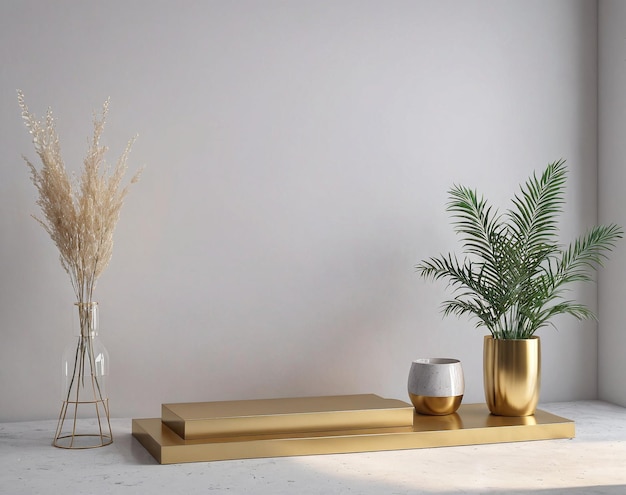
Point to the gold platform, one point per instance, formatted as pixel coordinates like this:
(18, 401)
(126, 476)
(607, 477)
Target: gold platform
(472, 424)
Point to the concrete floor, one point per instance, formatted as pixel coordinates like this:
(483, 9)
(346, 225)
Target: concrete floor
(592, 463)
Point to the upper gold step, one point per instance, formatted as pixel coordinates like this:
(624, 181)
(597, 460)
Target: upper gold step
(198, 420)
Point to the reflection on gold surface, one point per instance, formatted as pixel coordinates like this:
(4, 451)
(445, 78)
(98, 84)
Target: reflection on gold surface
(436, 406)
(427, 422)
(493, 420)
(512, 375)
(472, 424)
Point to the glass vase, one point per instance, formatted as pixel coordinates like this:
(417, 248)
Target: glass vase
(84, 421)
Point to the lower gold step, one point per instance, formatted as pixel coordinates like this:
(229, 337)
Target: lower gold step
(472, 424)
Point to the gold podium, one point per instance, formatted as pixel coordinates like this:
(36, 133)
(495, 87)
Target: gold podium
(213, 431)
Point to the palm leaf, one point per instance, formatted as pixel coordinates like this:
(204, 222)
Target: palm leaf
(587, 252)
(534, 221)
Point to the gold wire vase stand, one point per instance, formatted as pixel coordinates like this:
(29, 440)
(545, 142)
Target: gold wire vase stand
(84, 421)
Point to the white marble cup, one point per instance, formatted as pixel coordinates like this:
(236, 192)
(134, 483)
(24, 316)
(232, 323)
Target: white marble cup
(436, 385)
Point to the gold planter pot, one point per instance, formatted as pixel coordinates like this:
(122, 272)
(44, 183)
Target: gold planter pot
(512, 375)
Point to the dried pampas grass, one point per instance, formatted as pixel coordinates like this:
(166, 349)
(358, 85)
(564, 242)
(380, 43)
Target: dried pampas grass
(79, 215)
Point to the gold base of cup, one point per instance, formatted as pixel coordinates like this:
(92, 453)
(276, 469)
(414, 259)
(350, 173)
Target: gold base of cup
(435, 406)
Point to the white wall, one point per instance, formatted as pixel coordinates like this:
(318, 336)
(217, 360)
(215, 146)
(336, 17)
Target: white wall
(612, 202)
(298, 155)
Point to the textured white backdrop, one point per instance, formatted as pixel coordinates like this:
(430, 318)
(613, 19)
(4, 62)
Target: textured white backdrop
(297, 159)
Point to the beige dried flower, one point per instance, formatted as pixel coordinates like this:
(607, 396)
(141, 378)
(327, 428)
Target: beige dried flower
(80, 216)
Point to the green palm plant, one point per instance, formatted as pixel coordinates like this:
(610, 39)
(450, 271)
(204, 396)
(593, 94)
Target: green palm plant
(514, 274)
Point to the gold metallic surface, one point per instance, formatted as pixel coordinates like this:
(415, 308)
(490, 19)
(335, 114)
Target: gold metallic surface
(436, 406)
(197, 420)
(472, 424)
(512, 375)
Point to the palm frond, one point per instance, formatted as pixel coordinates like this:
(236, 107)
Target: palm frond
(587, 252)
(534, 221)
(476, 221)
(475, 308)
